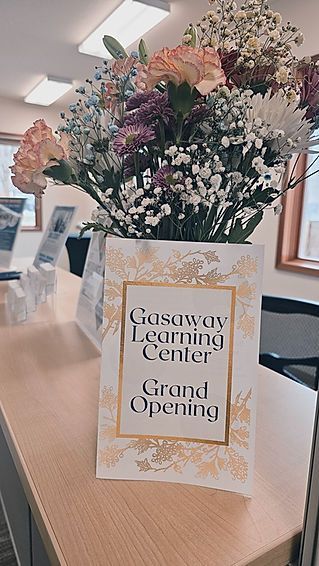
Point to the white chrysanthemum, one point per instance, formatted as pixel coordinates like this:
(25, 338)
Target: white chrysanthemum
(281, 116)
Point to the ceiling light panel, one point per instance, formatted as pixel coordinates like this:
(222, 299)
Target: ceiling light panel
(48, 91)
(127, 23)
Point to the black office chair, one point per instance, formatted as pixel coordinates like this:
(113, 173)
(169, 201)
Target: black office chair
(289, 339)
(77, 251)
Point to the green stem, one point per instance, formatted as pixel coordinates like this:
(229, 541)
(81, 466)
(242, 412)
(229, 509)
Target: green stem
(139, 178)
(162, 136)
(223, 224)
(180, 122)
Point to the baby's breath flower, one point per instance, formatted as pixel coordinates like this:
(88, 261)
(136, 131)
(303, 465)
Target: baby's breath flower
(274, 35)
(282, 75)
(225, 141)
(171, 150)
(205, 172)
(187, 38)
(291, 95)
(240, 15)
(166, 209)
(152, 220)
(277, 18)
(278, 209)
(299, 39)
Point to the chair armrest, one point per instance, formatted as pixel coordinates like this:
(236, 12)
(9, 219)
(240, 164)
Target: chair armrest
(279, 362)
(281, 365)
(271, 361)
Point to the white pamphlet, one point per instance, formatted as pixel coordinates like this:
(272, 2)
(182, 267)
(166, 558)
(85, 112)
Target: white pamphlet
(89, 313)
(11, 209)
(55, 235)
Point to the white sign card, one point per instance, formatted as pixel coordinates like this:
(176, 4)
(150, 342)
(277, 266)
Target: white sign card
(55, 235)
(89, 314)
(11, 209)
(179, 362)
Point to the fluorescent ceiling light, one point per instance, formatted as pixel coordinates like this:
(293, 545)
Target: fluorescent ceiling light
(48, 91)
(128, 22)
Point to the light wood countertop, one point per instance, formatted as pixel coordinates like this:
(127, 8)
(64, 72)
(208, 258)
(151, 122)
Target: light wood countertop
(49, 378)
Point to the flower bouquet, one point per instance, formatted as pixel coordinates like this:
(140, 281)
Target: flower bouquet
(189, 143)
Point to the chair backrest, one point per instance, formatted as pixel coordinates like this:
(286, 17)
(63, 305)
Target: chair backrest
(290, 330)
(77, 251)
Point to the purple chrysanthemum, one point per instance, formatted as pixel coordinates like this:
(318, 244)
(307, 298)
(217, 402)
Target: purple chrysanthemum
(139, 98)
(309, 95)
(131, 119)
(130, 139)
(163, 178)
(198, 114)
(152, 110)
(156, 109)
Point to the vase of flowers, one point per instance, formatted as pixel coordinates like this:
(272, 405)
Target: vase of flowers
(189, 143)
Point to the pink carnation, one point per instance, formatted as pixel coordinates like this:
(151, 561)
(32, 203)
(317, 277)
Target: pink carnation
(199, 67)
(38, 150)
(110, 96)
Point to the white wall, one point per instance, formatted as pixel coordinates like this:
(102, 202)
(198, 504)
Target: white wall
(15, 118)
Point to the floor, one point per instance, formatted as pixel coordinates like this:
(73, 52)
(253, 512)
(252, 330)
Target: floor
(7, 556)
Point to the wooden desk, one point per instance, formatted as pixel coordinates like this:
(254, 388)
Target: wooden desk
(49, 393)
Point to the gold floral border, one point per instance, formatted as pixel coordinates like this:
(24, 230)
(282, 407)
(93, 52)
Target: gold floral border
(163, 455)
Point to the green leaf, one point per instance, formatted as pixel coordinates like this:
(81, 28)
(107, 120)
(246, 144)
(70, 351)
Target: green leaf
(143, 52)
(112, 178)
(94, 226)
(222, 239)
(264, 196)
(85, 228)
(114, 47)
(259, 88)
(172, 93)
(181, 97)
(62, 172)
(192, 31)
(239, 234)
(236, 233)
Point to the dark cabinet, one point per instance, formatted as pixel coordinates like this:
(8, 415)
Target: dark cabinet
(26, 538)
